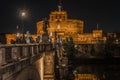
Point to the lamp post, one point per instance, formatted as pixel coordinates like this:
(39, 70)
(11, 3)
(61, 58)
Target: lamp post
(23, 15)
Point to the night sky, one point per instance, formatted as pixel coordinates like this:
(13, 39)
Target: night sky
(104, 13)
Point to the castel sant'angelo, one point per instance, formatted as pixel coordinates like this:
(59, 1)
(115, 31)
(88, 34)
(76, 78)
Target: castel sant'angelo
(60, 24)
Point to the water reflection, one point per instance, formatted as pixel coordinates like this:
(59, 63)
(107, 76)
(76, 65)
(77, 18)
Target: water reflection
(101, 72)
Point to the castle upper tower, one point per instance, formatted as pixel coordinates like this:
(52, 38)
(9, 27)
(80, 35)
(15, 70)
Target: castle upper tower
(58, 15)
(60, 24)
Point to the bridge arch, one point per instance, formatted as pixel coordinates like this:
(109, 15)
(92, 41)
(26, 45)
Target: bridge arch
(29, 73)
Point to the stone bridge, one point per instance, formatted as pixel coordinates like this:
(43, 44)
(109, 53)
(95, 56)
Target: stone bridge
(26, 62)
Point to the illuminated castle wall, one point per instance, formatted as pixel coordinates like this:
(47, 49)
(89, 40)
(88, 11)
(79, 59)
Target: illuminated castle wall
(65, 27)
(59, 23)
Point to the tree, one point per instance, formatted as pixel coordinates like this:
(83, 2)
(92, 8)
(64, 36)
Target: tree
(109, 47)
(68, 45)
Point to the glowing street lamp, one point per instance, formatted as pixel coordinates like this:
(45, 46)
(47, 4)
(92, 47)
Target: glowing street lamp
(23, 14)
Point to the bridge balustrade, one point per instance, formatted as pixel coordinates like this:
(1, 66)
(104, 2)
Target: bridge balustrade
(15, 57)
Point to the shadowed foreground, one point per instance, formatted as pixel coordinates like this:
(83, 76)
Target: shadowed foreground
(29, 73)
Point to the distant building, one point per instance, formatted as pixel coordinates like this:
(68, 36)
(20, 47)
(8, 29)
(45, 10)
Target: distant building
(10, 37)
(111, 35)
(13, 37)
(114, 36)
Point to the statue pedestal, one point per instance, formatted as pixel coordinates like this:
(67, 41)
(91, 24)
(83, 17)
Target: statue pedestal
(45, 38)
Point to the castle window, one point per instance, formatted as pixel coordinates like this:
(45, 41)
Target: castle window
(63, 17)
(60, 17)
(56, 17)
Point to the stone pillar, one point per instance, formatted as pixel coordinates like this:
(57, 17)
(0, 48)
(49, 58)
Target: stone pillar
(32, 51)
(47, 47)
(15, 53)
(25, 51)
(2, 56)
(40, 48)
(45, 38)
(8, 54)
(35, 49)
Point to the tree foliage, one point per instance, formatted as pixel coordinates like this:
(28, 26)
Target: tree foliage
(109, 47)
(69, 47)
